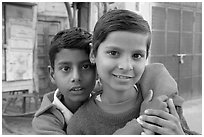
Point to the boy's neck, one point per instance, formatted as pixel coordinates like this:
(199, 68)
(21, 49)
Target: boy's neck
(112, 96)
(72, 106)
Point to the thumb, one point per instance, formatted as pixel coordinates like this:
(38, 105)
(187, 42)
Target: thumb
(149, 96)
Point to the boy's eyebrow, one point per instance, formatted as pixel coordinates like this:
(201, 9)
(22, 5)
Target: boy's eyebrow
(140, 51)
(113, 47)
(116, 48)
(68, 63)
(63, 63)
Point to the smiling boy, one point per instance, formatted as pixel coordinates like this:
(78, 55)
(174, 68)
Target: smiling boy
(121, 43)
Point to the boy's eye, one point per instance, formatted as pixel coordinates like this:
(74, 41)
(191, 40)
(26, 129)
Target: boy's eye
(137, 56)
(86, 66)
(113, 53)
(66, 68)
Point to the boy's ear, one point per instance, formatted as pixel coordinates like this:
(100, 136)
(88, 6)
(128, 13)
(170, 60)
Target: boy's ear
(92, 57)
(51, 72)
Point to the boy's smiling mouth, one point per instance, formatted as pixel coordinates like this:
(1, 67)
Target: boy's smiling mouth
(122, 76)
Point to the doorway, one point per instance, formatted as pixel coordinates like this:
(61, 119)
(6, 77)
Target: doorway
(177, 43)
(47, 28)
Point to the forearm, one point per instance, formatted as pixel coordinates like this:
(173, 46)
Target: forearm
(157, 78)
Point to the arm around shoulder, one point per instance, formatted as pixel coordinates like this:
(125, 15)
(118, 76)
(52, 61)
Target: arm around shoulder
(157, 78)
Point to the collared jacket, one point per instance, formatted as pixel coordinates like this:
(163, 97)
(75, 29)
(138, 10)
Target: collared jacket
(49, 120)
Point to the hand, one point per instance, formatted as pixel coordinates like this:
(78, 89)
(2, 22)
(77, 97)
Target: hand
(145, 105)
(147, 132)
(131, 128)
(162, 122)
(154, 103)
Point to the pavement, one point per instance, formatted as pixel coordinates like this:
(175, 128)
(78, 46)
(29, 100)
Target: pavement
(192, 110)
(22, 125)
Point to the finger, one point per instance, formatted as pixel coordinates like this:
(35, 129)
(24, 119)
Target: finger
(152, 127)
(163, 98)
(149, 96)
(159, 113)
(143, 133)
(157, 121)
(160, 130)
(166, 110)
(155, 128)
(172, 108)
(163, 106)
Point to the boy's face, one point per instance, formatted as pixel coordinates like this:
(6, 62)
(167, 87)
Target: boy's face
(121, 59)
(73, 74)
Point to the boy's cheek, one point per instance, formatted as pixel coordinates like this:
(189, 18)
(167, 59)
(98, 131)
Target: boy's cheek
(91, 73)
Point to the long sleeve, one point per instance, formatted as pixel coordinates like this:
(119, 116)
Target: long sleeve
(157, 78)
(48, 124)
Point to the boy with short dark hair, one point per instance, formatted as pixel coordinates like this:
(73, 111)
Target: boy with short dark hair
(121, 42)
(74, 77)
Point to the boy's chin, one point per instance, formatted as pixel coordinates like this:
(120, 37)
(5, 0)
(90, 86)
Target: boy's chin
(80, 98)
(123, 87)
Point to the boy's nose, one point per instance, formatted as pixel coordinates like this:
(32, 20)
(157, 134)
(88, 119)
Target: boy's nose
(75, 76)
(125, 64)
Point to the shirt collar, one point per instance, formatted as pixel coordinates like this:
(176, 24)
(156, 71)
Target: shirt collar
(61, 106)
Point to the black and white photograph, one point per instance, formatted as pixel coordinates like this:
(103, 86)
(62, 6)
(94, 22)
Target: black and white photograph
(101, 68)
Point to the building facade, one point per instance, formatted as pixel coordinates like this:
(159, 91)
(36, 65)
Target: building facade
(176, 39)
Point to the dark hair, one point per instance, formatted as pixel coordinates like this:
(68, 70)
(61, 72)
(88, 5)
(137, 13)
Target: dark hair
(119, 20)
(74, 38)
